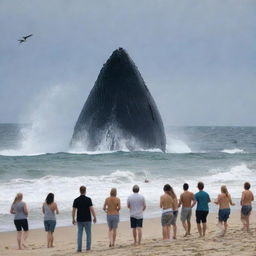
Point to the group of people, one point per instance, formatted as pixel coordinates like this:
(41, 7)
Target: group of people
(83, 213)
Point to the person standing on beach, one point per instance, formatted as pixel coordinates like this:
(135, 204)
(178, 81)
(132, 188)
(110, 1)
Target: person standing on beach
(167, 205)
(224, 201)
(175, 212)
(112, 207)
(246, 203)
(82, 210)
(20, 211)
(186, 201)
(202, 199)
(49, 209)
(136, 203)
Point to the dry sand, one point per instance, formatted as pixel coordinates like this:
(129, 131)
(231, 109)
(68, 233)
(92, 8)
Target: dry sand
(236, 241)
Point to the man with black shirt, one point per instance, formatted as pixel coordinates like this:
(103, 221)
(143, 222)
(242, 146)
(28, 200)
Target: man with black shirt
(83, 209)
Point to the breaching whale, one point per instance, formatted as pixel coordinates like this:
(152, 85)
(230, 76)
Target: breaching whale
(119, 111)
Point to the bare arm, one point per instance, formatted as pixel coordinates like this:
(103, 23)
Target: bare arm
(43, 208)
(105, 206)
(93, 214)
(194, 202)
(12, 210)
(57, 209)
(73, 216)
(25, 209)
(161, 202)
(118, 205)
(180, 201)
(230, 200)
(128, 203)
(144, 207)
(217, 200)
(242, 198)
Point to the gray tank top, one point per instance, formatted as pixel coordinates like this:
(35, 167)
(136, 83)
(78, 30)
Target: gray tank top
(19, 211)
(48, 213)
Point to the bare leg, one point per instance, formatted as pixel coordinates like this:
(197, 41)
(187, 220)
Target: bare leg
(139, 235)
(114, 236)
(189, 227)
(243, 221)
(110, 237)
(25, 236)
(48, 239)
(174, 231)
(225, 228)
(199, 229)
(185, 227)
(204, 228)
(51, 245)
(134, 235)
(19, 234)
(247, 223)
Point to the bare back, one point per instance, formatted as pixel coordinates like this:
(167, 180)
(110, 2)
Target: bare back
(247, 197)
(224, 201)
(166, 202)
(112, 205)
(186, 199)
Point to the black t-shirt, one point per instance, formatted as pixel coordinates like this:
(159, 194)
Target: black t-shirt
(83, 203)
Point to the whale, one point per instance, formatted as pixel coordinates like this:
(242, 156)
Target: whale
(119, 113)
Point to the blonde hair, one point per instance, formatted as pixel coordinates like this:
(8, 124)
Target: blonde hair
(18, 198)
(224, 190)
(113, 192)
(172, 193)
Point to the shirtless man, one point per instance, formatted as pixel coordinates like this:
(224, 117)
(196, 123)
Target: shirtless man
(186, 200)
(246, 203)
(224, 201)
(167, 204)
(112, 207)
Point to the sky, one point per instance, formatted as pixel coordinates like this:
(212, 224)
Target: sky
(197, 57)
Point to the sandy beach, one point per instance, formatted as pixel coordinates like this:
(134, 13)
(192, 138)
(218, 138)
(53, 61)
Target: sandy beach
(236, 241)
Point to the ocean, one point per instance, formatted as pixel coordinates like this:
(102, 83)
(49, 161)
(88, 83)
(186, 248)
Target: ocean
(214, 155)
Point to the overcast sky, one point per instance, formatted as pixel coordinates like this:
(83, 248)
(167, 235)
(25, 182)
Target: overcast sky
(198, 58)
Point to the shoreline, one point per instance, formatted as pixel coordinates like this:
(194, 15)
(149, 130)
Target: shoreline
(236, 242)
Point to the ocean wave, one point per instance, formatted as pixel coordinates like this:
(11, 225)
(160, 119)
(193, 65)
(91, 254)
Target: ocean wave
(233, 151)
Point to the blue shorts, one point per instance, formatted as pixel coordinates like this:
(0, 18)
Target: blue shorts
(224, 214)
(113, 221)
(49, 225)
(246, 210)
(136, 223)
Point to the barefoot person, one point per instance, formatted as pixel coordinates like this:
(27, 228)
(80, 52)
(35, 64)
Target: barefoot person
(167, 205)
(202, 209)
(81, 214)
(136, 203)
(112, 207)
(20, 211)
(186, 201)
(246, 203)
(175, 212)
(49, 209)
(224, 201)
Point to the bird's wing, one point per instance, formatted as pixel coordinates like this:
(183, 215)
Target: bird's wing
(21, 40)
(25, 37)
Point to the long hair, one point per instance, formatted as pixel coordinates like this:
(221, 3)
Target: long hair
(17, 198)
(224, 190)
(167, 189)
(172, 193)
(113, 192)
(50, 198)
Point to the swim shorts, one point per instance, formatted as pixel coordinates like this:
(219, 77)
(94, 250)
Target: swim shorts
(185, 214)
(166, 218)
(113, 221)
(224, 214)
(136, 223)
(246, 210)
(175, 215)
(201, 216)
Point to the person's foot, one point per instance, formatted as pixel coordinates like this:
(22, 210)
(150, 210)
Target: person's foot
(174, 237)
(186, 234)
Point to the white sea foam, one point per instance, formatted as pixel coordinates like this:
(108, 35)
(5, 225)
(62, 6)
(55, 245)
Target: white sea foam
(233, 151)
(177, 146)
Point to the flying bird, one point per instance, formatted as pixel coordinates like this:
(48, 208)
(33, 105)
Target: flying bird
(24, 38)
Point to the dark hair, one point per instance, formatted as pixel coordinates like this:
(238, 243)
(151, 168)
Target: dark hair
(82, 189)
(200, 185)
(247, 185)
(136, 189)
(167, 188)
(185, 186)
(50, 198)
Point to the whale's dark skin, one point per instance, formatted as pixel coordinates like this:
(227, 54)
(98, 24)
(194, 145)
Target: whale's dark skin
(120, 107)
